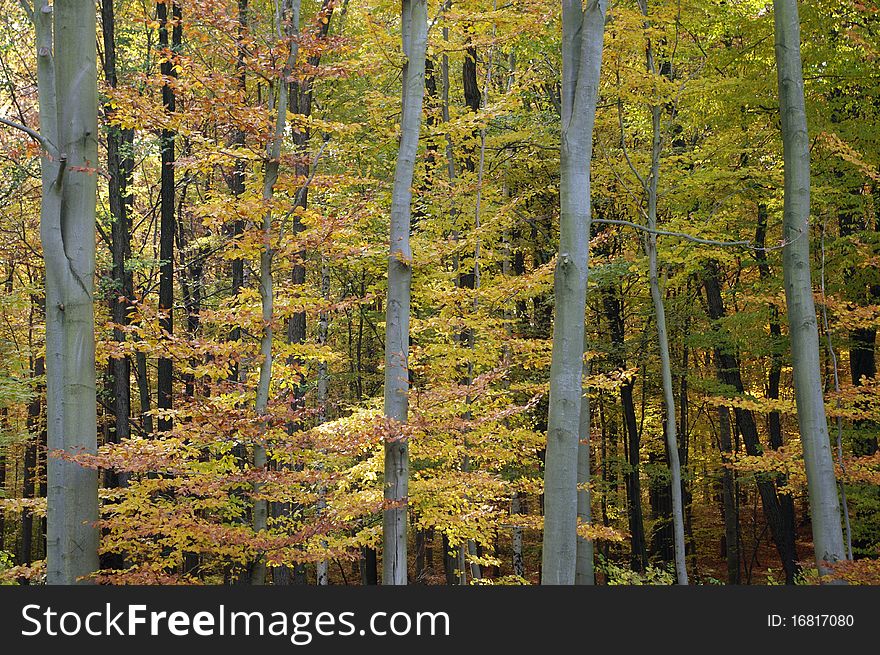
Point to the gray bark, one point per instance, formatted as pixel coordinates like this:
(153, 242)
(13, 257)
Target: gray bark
(668, 396)
(650, 244)
(68, 95)
(414, 35)
(801, 310)
(583, 29)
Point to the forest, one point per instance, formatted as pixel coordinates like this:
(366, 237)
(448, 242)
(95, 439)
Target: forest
(439, 292)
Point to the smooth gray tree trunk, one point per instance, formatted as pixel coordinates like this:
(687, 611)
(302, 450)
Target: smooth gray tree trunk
(414, 35)
(802, 322)
(583, 29)
(68, 95)
(650, 245)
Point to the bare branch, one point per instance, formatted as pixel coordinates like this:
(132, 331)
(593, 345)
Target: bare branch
(680, 235)
(36, 136)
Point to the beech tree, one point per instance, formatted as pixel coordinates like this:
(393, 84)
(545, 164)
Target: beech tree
(414, 36)
(803, 325)
(583, 29)
(68, 94)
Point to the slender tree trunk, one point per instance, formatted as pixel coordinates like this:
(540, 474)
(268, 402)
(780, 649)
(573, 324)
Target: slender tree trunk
(774, 418)
(287, 13)
(519, 567)
(801, 310)
(67, 82)
(414, 27)
(613, 308)
(29, 464)
(665, 370)
(120, 164)
(323, 566)
(237, 179)
(167, 223)
(650, 245)
(583, 29)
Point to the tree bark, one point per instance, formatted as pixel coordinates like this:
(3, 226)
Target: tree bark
(728, 372)
(286, 13)
(583, 29)
(167, 222)
(802, 322)
(120, 164)
(68, 96)
(414, 36)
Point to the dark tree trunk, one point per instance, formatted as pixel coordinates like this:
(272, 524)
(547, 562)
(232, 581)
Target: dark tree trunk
(237, 179)
(862, 357)
(450, 563)
(660, 499)
(774, 418)
(369, 567)
(120, 165)
(728, 371)
(167, 227)
(29, 465)
(613, 307)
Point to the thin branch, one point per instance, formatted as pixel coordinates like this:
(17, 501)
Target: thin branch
(302, 190)
(36, 136)
(680, 235)
(623, 141)
(440, 12)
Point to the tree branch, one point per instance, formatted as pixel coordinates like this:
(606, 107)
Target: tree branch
(680, 235)
(36, 136)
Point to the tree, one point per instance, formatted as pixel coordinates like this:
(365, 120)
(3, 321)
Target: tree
(414, 35)
(168, 208)
(802, 322)
(583, 29)
(287, 13)
(67, 78)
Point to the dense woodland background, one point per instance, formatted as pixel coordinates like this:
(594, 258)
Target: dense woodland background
(228, 230)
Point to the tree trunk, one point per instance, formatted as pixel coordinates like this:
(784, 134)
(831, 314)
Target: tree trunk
(29, 465)
(583, 30)
(519, 567)
(802, 322)
(613, 308)
(323, 566)
(650, 245)
(167, 223)
(120, 164)
(67, 81)
(414, 26)
(286, 14)
(774, 376)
